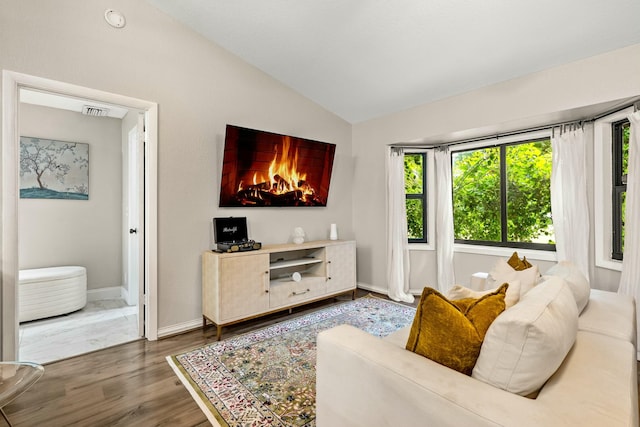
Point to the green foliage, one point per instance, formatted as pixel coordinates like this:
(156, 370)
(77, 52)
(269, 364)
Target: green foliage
(415, 222)
(626, 132)
(413, 173)
(477, 194)
(413, 180)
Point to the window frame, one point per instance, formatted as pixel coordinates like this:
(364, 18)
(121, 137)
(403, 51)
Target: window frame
(422, 197)
(506, 142)
(428, 244)
(603, 185)
(618, 187)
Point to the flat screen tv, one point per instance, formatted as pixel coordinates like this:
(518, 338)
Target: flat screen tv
(268, 169)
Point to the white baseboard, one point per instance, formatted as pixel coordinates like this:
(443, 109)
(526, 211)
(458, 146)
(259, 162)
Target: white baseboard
(372, 288)
(197, 323)
(384, 291)
(179, 328)
(113, 292)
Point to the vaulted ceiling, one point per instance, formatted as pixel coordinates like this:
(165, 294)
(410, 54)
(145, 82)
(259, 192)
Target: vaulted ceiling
(363, 59)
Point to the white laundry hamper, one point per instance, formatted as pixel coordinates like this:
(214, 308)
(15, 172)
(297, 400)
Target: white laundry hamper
(51, 291)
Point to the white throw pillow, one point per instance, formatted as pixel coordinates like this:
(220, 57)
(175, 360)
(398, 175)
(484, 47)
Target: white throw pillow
(526, 344)
(503, 273)
(577, 282)
(512, 296)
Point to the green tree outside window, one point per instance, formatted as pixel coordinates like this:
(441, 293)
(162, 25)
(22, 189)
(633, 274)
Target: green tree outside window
(415, 184)
(501, 195)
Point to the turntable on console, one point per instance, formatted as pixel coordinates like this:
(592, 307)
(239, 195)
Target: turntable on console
(231, 235)
(247, 245)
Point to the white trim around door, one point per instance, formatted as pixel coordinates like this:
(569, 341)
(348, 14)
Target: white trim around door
(12, 82)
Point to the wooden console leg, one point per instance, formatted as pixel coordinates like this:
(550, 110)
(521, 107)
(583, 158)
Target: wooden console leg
(219, 332)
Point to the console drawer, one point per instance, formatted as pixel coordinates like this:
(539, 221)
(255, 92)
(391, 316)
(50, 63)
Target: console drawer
(290, 293)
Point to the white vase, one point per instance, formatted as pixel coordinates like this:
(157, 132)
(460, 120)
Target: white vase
(333, 233)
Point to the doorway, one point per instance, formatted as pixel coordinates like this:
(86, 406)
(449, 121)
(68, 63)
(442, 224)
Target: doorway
(145, 235)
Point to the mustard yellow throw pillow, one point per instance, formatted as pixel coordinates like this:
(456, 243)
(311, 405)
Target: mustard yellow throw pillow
(518, 264)
(452, 335)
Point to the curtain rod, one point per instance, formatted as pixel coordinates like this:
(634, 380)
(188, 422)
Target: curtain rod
(635, 104)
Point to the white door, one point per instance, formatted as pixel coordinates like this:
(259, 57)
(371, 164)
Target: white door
(135, 220)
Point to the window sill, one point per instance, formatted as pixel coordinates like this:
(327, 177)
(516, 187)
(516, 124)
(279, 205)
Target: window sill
(421, 247)
(505, 252)
(609, 264)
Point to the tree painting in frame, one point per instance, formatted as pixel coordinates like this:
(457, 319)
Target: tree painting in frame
(51, 169)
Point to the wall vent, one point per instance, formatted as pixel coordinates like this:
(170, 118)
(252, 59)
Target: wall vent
(89, 110)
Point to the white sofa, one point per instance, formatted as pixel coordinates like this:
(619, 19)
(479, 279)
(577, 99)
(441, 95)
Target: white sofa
(363, 380)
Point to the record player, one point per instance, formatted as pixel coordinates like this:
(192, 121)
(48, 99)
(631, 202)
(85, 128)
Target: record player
(231, 235)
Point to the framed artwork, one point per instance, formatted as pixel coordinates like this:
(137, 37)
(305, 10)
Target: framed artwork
(51, 169)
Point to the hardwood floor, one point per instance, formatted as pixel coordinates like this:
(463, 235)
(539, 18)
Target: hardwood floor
(128, 385)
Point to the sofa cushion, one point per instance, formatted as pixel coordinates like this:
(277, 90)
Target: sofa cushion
(503, 273)
(442, 332)
(399, 338)
(611, 314)
(577, 282)
(527, 343)
(458, 292)
(518, 264)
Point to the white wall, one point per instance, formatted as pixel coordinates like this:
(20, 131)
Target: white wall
(199, 88)
(549, 93)
(76, 232)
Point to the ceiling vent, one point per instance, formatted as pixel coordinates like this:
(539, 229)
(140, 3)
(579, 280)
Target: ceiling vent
(89, 110)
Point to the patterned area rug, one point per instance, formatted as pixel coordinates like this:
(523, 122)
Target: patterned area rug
(268, 377)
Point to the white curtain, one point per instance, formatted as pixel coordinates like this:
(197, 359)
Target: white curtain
(444, 220)
(630, 277)
(397, 240)
(569, 207)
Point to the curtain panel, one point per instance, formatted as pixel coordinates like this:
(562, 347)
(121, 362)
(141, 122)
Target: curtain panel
(569, 207)
(398, 267)
(444, 220)
(630, 276)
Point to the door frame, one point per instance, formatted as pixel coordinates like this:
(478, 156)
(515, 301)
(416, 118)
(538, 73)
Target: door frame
(12, 82)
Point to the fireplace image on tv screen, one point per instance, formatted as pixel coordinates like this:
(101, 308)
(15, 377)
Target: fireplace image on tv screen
(268, 169)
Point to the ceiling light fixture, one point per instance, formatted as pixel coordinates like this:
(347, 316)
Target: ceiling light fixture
(114, 18)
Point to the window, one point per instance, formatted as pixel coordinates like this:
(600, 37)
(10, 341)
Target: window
(415, 186)
(502, 197)
(619, 166)
(608, 187)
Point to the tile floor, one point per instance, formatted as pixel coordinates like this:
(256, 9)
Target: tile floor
(98, 325)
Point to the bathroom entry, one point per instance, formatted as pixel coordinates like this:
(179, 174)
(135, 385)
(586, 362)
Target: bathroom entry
(13, 83)
(87, 232)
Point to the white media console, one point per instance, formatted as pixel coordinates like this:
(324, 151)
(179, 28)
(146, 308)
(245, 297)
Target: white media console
(238, 286)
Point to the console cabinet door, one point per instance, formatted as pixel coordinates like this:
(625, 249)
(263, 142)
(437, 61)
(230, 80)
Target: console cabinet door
(244, 285)
(341, 267)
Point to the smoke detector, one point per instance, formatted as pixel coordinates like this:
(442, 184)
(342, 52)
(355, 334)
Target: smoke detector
(114, 18)
(89, 110)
